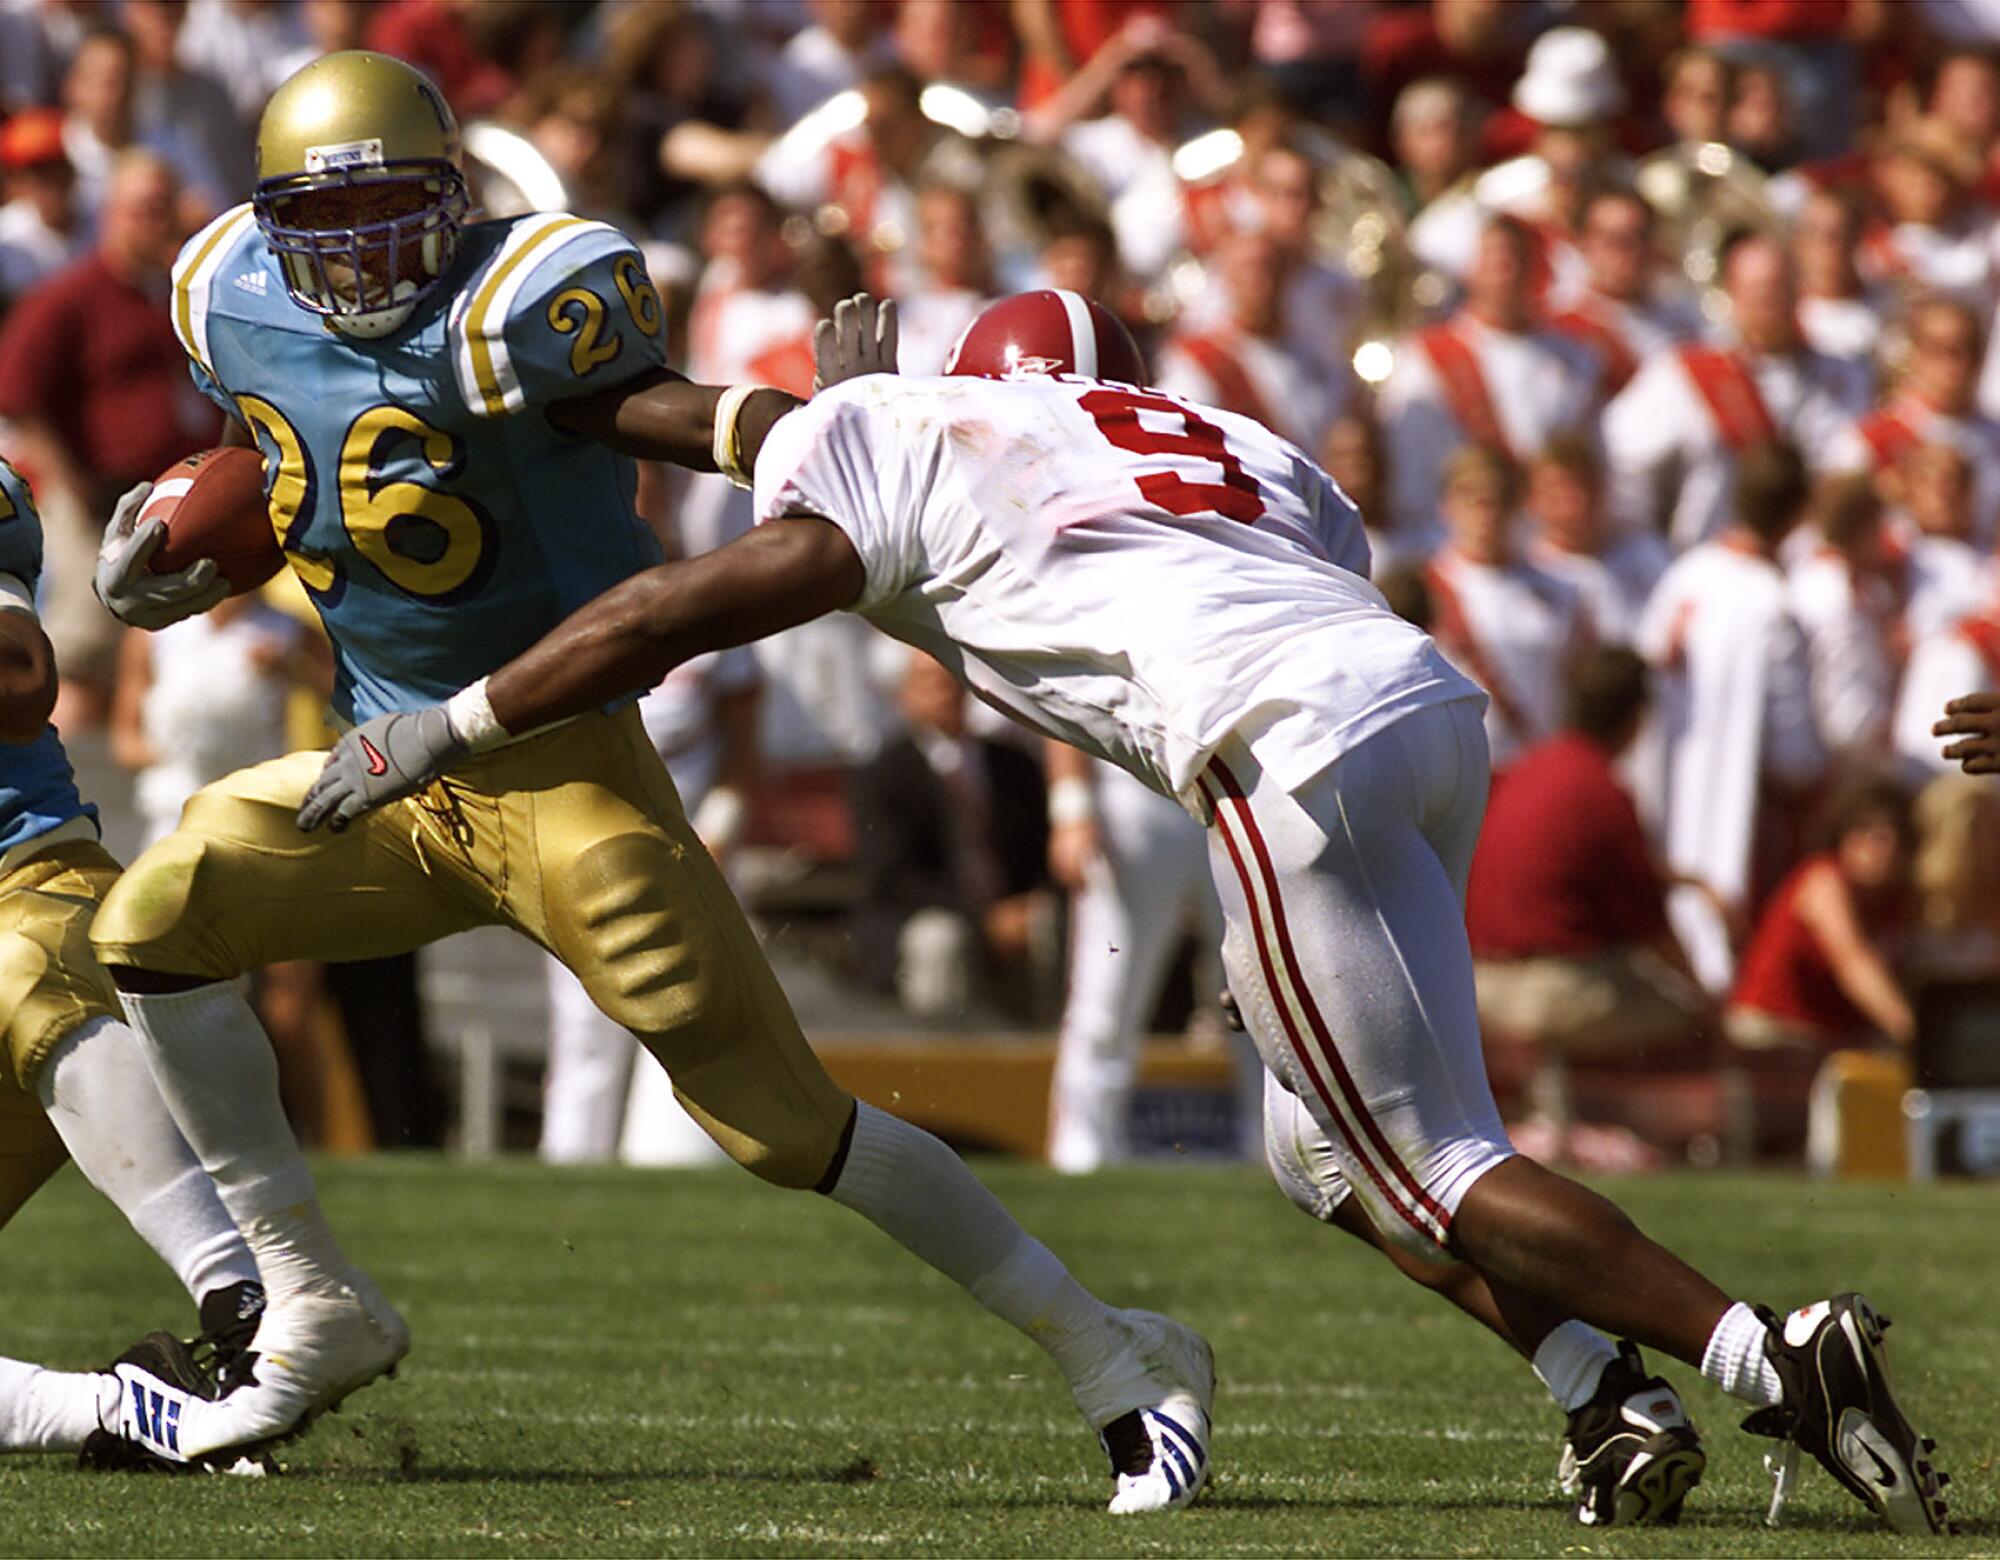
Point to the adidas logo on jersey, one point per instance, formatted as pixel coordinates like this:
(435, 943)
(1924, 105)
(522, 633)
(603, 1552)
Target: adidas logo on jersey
(254, 282)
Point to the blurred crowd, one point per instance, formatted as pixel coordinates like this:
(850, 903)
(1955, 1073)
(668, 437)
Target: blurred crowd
(1653, 340)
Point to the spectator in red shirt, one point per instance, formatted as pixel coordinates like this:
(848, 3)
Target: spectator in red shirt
(1820, 971)
(96, 388)
(1566, 909)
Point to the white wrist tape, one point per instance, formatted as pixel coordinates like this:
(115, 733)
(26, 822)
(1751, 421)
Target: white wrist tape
(1071, 801)
(728, 448)
(719, 820)
(15, 595)
(472, 719)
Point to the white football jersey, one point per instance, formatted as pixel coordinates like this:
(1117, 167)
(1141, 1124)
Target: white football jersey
(1116, 567)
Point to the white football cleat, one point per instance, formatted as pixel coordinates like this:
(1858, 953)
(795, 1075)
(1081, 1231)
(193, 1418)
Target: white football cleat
(1150, 1407)
(1175, 1457)
(311, 1350)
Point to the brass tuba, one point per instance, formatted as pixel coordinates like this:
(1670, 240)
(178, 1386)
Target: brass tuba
(1703, 192)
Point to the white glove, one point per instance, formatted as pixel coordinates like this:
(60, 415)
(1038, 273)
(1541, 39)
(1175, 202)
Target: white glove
(130, 591)
(859, 339)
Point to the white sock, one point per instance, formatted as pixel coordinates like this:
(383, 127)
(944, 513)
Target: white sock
(52, 1410)
(102, 1100)
(916, 1190)
(214, 1066)
(1735, 1360)
(1570, 1361)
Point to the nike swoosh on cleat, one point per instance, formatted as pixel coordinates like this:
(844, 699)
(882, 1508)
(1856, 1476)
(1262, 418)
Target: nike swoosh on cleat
(1857, 1436)
(1885, 1476)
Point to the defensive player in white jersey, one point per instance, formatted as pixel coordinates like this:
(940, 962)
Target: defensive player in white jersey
(1175, 589)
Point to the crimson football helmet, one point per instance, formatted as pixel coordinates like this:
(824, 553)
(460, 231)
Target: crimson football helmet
(1053, 331)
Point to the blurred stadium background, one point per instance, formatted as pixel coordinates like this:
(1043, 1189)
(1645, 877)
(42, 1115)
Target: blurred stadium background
(1502, 265)
(1534, 279)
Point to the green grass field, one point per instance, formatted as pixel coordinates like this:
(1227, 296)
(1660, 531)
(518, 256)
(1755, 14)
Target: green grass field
(613, 1362)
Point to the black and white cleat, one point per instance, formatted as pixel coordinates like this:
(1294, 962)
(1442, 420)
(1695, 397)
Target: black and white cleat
(1840, 1407)
(1630, 1455)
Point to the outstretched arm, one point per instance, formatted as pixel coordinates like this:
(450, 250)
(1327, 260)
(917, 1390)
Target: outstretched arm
(634, 634)
(777, 576)
(661, 416)
(627, 639)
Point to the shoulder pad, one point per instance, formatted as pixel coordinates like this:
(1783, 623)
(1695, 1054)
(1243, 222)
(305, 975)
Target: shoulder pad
(563, 307)
(20, 528)
(195, 270)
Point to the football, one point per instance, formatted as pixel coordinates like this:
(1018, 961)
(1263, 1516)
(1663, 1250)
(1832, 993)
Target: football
(212, 504)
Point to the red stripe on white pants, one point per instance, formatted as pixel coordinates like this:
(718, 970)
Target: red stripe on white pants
(1400, 1189)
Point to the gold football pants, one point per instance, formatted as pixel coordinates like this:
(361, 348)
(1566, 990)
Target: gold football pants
(576, 838)
(50, 982)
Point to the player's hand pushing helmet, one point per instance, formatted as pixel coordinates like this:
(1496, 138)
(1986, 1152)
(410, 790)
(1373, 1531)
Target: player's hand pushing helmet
(859, 339)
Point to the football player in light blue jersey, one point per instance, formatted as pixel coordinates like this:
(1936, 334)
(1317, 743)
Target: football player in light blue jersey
(448, 413)
(436, 518)
(73, 1080)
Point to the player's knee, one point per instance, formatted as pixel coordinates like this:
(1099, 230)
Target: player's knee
(798, 1166)
(765, 1101)
(663, 951)
(1302, 1190)
(145, 919)
(789, 1143)
(1300, 1158)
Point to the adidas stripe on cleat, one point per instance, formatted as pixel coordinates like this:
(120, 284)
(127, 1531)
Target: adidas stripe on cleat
(157, 1377)
(1149, 1400)
(1159, 1455)
(1839, 1406)
(1630, 1456)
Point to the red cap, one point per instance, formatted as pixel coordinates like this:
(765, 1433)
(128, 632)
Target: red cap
(1053, 331)
(31, 138)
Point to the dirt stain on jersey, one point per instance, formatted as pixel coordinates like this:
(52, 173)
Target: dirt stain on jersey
(975, 440)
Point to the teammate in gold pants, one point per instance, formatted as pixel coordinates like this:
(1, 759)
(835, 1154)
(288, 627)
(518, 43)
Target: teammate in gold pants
(73, 1080)
(50, 985)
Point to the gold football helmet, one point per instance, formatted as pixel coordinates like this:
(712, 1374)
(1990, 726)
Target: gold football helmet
(359, 192)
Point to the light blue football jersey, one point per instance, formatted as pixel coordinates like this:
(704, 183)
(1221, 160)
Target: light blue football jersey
(37, 788)
(437, 519)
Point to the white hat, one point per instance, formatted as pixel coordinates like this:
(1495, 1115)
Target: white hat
(1569, 79)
